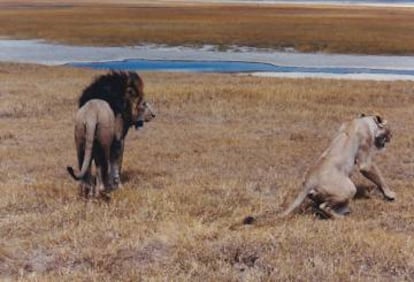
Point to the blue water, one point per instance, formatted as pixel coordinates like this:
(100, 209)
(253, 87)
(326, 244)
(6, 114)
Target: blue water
(227, 67)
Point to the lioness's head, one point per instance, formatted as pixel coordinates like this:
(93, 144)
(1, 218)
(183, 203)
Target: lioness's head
(382, 131)
(383, 134)
(146, 114)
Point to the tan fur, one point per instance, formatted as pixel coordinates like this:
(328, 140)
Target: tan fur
(328, 183)
(94, 134)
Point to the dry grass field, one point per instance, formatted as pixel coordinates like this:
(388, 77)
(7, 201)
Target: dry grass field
(222, 147)
(307, 28)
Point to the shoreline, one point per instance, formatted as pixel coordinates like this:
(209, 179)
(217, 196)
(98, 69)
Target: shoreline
(365, 76)
(41, 52)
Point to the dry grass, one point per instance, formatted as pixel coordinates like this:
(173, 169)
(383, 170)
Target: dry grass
(222, 147)
(309, 29)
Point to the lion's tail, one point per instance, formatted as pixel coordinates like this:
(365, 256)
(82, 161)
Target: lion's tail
(298, 201)
(90, 128)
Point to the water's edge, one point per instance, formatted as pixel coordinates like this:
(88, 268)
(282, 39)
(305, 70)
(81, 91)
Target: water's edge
(256, 61)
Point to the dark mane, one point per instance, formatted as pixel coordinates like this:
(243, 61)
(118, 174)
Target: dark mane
(110, 87)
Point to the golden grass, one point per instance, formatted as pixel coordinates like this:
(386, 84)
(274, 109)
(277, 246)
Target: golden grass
(222, 147)
(309, 28)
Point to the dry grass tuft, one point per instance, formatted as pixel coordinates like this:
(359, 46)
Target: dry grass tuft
(222, 147)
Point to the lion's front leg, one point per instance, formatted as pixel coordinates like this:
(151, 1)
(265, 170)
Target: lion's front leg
(117, 151)
(372, 173)
(116, 162)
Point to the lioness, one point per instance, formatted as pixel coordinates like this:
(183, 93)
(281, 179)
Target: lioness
(328, 183)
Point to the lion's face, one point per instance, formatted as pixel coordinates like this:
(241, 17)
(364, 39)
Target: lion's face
(135, 96)
(145, 114)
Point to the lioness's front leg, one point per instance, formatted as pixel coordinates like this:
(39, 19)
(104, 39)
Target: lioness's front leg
(372, 173)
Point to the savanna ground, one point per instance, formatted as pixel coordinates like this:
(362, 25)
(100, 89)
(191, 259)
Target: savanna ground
(221, 147)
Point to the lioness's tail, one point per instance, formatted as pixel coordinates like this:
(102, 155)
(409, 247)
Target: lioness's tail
(297, 202)
(90, 128)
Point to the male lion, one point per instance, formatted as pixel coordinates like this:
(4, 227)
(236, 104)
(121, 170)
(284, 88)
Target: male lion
(124, 95)
(328, 183)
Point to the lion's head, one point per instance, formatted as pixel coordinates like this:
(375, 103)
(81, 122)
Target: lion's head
(123, 91)
(146, 114)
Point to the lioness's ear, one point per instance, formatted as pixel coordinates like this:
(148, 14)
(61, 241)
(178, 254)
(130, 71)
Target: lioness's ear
(379, 119)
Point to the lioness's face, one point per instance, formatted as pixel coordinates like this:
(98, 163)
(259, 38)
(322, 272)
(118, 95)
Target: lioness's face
(381, 130)
(383, 133)
(382, 137)
(145, 114)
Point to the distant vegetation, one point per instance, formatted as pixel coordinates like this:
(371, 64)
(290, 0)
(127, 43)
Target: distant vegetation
(308, 29)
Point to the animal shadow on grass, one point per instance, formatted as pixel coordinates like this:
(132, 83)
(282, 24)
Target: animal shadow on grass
(155, 179)
(85, 190)
(132, 175)
(363, 191)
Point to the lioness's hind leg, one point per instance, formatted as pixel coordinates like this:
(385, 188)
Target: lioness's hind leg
(329, 212)
(335, 202)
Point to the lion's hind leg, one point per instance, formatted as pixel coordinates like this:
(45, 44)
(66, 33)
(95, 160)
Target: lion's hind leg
(86, 185)
(103, 174)
(85, 189)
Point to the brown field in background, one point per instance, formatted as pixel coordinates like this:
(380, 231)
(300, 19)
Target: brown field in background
(305, 28)
(222, 147)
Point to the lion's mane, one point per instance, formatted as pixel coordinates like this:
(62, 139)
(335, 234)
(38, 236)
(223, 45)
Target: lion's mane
(111, 88)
